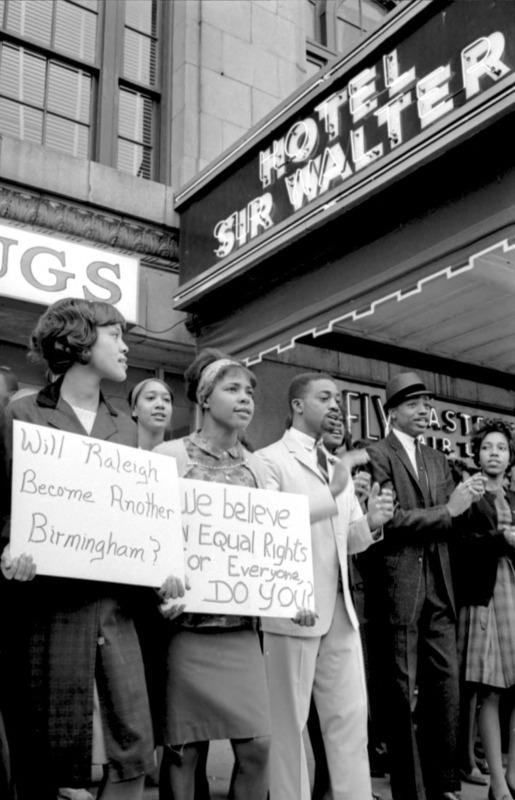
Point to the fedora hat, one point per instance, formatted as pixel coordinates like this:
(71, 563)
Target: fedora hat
(402, 386)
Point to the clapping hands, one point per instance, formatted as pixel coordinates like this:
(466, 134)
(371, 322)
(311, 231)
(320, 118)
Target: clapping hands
(380, 506)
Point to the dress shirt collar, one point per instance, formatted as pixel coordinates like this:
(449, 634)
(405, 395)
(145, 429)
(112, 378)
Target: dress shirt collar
(304, 439)
(407, 441)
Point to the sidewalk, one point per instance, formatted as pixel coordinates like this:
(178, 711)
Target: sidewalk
(220, 763)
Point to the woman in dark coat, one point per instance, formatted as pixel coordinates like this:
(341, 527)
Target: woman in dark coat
(73, 639)
(487, 589)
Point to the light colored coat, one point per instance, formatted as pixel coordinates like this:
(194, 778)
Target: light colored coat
(338, 528)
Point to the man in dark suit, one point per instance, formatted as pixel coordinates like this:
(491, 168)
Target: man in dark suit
(418, 598)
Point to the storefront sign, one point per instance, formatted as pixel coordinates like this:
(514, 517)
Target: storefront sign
(85, 508)
(41, 269)
(339, 141)
(450, 424)
(247, 551)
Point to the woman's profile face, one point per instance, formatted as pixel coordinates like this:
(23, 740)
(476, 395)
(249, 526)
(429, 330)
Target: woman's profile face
(153, 409)
(109, 354)
(231, 402)
(494, 454)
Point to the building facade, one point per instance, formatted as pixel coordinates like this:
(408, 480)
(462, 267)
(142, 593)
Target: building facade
(138, 139)
(365, 226)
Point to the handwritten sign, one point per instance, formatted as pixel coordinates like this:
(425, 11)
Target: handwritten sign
(86, 508)
(247, 551)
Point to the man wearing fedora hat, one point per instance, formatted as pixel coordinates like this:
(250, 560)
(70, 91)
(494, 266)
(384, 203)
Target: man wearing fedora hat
(418, 597)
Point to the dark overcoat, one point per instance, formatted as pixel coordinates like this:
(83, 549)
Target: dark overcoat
(477, 551)
(413, 526)
(53, 631)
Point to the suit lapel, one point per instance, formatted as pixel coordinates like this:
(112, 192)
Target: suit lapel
(431, 471)
(64, 418)
(404, 457)
(301, 454)
(402, 454)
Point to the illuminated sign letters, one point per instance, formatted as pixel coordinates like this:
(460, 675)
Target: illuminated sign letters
(380, 108)
(450, 424)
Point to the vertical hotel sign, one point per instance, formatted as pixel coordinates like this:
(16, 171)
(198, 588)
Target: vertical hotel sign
(40, 269)
(373, 115)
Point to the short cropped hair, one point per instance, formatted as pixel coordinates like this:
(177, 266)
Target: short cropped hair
(300, 384)
(492, 425)
(203, 360)
(66, 332)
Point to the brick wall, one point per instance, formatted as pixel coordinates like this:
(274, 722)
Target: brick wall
(233, 62)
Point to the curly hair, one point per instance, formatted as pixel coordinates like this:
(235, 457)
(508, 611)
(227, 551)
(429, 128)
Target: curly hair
(203, 360)
(66, 332)
(492, 425)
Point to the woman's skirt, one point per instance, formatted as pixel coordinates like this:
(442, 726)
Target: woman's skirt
(486, 638)
(216, 687)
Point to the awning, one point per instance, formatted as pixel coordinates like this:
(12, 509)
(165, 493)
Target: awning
(464, 311)
(457, 305)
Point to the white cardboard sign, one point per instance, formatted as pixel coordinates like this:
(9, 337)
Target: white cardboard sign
(247, 551)
(87, 508)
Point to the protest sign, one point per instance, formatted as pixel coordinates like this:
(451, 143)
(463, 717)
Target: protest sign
(247, 551)
(88, 508)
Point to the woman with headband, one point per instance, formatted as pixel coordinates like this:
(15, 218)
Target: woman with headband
(151, 403)
(216, 684)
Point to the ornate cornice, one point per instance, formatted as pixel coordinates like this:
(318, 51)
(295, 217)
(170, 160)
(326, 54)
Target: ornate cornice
(150, 242)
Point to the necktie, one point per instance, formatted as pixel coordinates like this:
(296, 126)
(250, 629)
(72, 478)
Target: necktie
(322, 463)
(422, 474)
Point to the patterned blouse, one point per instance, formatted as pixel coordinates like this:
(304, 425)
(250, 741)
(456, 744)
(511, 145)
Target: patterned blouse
(206, 462)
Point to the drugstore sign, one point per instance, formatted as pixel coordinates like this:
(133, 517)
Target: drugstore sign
(406, 90)
(450, 424)
(40, 269)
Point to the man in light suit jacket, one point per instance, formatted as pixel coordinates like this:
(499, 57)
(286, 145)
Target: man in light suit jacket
(417, 597)
(320, 653)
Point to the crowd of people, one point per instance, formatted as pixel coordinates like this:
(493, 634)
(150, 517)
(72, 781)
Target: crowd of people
(96, 673)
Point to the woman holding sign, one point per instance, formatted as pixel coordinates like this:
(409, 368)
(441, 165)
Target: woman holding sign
(216, 685)
(74, 642)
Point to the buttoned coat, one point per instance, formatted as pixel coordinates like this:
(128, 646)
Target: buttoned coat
(338, 528)
(413, 525)
(54, 627)
(478, 550)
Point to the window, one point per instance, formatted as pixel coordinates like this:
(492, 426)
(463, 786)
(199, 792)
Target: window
(354, 20)
(84, 77)
(337, 26)
(45, 98)
(138, 98)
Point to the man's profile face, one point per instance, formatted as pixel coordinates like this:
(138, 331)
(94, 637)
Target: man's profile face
(318, 408)
(412, 415)
(333, 432)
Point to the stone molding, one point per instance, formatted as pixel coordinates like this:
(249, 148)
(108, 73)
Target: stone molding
(150, 242)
